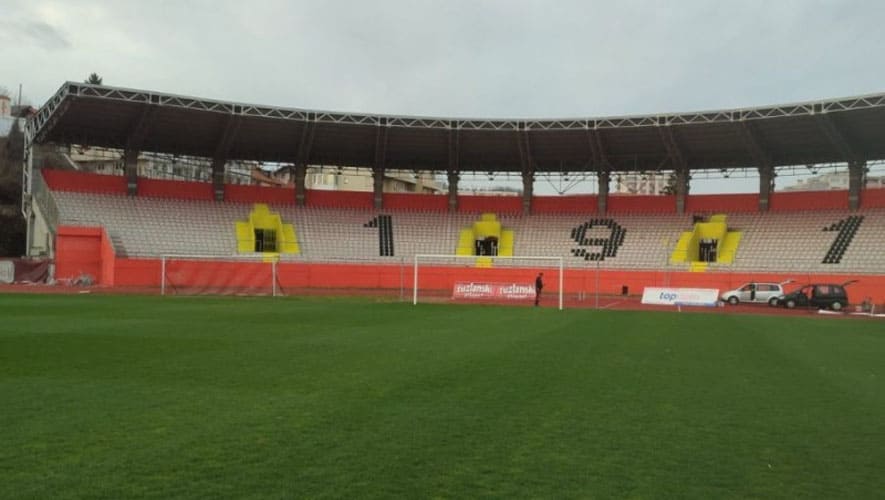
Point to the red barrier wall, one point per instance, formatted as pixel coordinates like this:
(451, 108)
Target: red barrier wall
(236, 193)
(873, 198)
(808, 200)
(722, 203)
(416, 202)
(577, 204)
(641, 204)
(339, 199)
(83, 182)
(493, 204)
(66, 180)
(156, 188)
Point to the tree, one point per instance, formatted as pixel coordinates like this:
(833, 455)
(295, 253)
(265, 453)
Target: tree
(12, 236)
(94, 79)
(10, 166)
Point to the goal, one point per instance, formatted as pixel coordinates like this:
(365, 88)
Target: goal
(494, 279)
(229, 275)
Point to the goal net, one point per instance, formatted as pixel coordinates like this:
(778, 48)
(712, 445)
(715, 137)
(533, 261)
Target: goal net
(504, 280)
(232, 275)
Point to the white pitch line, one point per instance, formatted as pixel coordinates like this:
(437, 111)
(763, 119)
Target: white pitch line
(612, 304)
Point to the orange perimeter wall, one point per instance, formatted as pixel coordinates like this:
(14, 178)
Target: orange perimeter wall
(84, 250)
(146, 273)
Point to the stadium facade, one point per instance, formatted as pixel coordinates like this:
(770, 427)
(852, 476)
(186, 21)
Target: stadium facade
(846, 131)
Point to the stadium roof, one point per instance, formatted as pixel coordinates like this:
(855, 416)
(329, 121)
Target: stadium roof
(825, 131)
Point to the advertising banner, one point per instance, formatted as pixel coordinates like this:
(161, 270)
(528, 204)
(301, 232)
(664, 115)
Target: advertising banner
(508, 291)
(680, 296)
(7, 271)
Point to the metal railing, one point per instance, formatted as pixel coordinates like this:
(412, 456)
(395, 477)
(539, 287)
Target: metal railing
(44, 200)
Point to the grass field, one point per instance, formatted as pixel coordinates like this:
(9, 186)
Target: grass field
(114, 397)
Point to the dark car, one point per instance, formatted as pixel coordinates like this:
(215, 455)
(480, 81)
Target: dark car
(819, 295)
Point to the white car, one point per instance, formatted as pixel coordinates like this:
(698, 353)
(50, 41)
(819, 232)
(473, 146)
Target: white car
(755, 293)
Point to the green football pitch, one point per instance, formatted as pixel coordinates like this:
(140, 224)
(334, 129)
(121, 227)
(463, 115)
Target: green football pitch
(117, 397)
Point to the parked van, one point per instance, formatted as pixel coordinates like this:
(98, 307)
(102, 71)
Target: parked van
(755, 292)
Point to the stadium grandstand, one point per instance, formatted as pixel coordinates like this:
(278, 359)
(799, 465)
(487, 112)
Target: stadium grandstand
(129, 228)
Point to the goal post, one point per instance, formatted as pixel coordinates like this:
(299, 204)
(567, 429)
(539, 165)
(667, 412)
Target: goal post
(219, 275)
(489, 277)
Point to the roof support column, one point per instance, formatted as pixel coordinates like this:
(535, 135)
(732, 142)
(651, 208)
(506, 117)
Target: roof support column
(856, 183)
(222, 149)
(528, 190)
(453, 190)
(218, 171)
(454, 167)
(602, 196)
(300, 174)
(380, 164)
(753, 142)
(847, 148)
(134, 138)
(682, 186)
(680, 166)
(527, 167)
(130, 168)
(599, 159)
(302, 156)
(766, 187)
(378, 187)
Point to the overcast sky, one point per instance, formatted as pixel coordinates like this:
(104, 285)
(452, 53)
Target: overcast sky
(454, 58)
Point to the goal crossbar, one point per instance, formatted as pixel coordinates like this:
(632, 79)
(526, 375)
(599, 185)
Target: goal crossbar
(557, 261)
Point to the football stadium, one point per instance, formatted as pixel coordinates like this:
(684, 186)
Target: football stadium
(345, 343)
(222, 299)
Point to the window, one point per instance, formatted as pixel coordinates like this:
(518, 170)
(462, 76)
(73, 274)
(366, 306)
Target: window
(265, 240)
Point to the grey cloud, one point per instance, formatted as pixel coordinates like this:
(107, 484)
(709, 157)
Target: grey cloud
(490, 58)
(37, 33)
